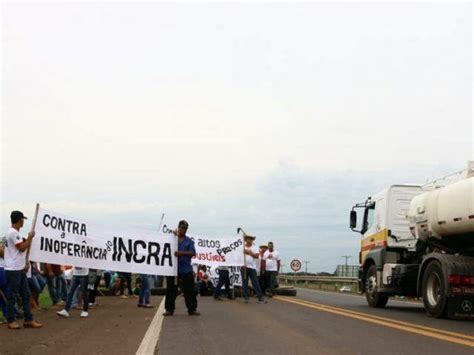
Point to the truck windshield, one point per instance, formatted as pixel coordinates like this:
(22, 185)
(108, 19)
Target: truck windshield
(369, 217)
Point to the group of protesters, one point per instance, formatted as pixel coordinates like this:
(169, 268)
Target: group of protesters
(261, 268)
(22, 281)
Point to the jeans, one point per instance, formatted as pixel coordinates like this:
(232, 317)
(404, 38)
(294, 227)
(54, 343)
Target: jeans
(75, 297)
(76, 282)
(223, 280)
(145, 292)
(187, 285)
(37, 284)
(93, 292)
(158, 280)
(262, 280)
(126, 276)
(4, 289)
(61, 287)
(41, 281)
(107, 278)
(205, 288)
(271, 280)
(17, 283)
(51, 281)
(252, 274)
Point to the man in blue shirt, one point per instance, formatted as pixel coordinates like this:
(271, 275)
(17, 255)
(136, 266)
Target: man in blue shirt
(185, 252)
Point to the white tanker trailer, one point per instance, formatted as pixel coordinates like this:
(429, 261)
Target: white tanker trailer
(418, 241)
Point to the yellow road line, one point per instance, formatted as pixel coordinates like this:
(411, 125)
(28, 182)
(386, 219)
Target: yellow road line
(461, 339)
(459, 335)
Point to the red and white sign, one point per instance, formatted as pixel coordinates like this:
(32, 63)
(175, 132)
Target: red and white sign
(295, 265)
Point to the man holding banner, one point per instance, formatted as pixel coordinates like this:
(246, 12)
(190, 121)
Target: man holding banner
(15, 266)
(250, 270)
(185, 252)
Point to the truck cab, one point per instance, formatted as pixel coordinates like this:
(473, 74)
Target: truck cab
(383, 220)
(386, 243)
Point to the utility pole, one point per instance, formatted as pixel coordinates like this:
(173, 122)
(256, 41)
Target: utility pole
(346, 273)
(346, 257)
(306, 266)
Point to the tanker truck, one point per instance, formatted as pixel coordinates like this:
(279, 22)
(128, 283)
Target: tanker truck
(418, 241)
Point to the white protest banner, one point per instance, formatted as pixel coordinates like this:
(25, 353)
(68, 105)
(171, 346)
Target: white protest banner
(222, 251)
(67, 240)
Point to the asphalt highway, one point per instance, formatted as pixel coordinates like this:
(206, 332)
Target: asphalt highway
(314, 322)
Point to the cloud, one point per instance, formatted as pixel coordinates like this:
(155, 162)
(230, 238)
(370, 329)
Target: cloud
(229, 125)
(304, 212)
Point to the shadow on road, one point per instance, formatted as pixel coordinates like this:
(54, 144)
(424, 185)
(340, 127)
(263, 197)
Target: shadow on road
(412, 309)
(405, 309)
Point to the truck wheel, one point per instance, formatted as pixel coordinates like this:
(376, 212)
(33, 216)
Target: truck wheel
(434, 289)
(374, 297)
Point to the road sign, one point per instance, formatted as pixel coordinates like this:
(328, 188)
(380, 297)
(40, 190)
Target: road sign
(295, 265)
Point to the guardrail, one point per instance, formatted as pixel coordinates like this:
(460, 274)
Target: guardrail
(327, 283)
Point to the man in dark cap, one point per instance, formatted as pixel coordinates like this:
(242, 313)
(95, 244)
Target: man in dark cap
(185, 252)
(15, 263)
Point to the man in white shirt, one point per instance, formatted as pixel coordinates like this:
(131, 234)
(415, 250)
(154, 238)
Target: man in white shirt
(250, 270)
(15, 265)
(271, 261)
(80, 278)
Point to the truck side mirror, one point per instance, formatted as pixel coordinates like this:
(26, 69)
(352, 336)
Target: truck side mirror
(353, 219)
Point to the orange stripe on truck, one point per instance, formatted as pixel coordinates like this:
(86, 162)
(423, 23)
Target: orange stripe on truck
(375, 245)
(373, 241)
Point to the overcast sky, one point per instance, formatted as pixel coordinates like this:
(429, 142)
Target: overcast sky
(265, 116)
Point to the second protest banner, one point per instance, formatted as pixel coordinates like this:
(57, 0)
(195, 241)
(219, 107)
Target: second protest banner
(210, 251)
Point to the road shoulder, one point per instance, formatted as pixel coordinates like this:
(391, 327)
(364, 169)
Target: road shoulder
(115, 326)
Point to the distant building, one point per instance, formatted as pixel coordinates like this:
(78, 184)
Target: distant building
(347, 270)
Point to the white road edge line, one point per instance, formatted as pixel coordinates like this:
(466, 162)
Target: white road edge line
(148, 344)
